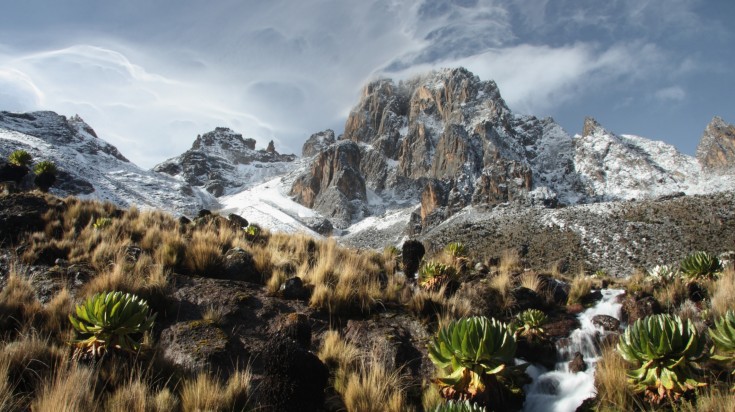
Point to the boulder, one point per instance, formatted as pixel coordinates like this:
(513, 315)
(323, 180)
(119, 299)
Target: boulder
(606, 322)
(293, 288)
(200, 345)
(577, 364)
(294, 379)
(638, 305)
(238, 264)
(237, 221)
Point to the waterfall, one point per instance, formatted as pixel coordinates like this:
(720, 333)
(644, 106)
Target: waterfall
(563, 391)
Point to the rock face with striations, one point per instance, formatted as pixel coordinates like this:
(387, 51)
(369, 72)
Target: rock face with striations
(716, 149)
(333, 185)
(222, 162)
(447, 139)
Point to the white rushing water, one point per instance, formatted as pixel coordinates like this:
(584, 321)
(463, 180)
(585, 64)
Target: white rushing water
(560, 390)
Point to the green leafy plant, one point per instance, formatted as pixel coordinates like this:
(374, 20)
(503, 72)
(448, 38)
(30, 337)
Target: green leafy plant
(464, 406)
(432, 275)
(528, 324)
(663, 351)
(475, 355)
(456, 250)
(110, 320)
(701, 265)
(101, 223)
(723, 339)
(43, 167)
(252, 232)
(20, 158)
(663, 274)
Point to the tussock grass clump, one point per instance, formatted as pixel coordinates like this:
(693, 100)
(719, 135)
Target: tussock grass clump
(580, 287)
(373, 389)
(510, 261)
(611, 382)
(206, 393)
(19, 307)
(68, 391)
(722, 292)
(363, 382)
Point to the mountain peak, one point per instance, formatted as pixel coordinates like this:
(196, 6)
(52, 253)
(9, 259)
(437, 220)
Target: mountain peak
(716, 149)
(222, 161)
(591, 126)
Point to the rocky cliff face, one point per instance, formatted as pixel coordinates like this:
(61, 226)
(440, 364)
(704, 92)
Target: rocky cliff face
(716, 149)
(447, 140)
(222, 162)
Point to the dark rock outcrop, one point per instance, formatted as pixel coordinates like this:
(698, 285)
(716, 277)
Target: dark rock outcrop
(21, 213)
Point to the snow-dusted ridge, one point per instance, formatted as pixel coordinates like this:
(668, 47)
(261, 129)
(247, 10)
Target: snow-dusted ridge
(91, 168)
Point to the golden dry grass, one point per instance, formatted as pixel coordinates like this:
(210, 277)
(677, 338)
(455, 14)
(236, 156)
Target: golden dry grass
(19, 307)
(611, 382)
(206, 393)
(722, 293)
(70, 390)
(504, 283)
(373, 389)
(672, 294)
(510, 261)
(580, 287)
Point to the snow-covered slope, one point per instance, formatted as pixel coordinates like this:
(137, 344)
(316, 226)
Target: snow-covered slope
(625, 167)
(89, 167)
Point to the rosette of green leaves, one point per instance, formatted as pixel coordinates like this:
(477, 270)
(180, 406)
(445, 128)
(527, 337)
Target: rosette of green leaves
(464, 406)
(723, 339)
(20, 158)
(701, 265)
(528, 323)
(468, 350)
(111, 320)
(45, 167)
(434, 274)
(663, 273)
(663, 351)
(456, 250)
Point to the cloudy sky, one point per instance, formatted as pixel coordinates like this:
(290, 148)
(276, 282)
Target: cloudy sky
(151, 75)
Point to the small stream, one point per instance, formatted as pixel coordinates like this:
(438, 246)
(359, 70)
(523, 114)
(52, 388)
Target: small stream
(560, 390)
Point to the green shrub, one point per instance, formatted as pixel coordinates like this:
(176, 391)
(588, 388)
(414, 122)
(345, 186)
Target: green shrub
(433, 275)
(20, 158)
(701, 265)
(528, 324)
(44, 167)
(663, 351)
(474, 356)
(110, 320)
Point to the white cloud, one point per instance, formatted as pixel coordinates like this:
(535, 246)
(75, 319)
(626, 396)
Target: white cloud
(18, 92)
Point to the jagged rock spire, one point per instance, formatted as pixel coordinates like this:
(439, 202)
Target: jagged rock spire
(716, 149)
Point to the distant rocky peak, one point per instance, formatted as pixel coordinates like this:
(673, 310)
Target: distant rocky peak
(591, 127)
(224, 138)
(78, 122)
(716, 149)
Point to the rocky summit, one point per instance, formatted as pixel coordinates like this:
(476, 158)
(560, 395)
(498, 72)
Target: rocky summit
(447, 140)
(222, 162)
